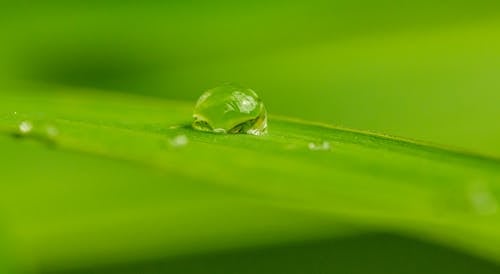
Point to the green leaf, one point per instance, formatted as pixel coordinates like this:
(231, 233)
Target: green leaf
(99, 179)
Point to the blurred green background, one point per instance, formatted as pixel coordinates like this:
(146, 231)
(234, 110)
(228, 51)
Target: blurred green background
(427, 70)
(422, 69)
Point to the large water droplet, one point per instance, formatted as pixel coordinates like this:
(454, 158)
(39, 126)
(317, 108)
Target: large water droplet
(231, 109)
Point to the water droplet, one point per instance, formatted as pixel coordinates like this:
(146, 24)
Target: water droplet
(230, 109)
(179, 141)
(25, 127)
(482, 199)
(320, 146)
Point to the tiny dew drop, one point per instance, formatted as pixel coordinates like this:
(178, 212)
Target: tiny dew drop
(179, 141)
(38, 130)
(25, 127)
(230, 109)
(320, 146)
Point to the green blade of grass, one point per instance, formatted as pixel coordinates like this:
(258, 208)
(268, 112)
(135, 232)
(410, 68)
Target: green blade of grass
(111, 186)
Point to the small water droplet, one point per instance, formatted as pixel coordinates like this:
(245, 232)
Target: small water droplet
(231, 109)
(25, 127)
(320, 146)
(482, 199)
(179, 141)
